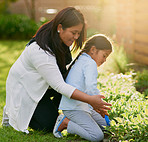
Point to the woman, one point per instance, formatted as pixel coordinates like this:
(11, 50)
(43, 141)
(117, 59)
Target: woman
(36, 79)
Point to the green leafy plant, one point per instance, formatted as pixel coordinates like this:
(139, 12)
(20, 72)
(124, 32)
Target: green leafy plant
(4, 4)
(91, 32)
(129, 113)
(141, 82)
(16, 27)
(117, 62)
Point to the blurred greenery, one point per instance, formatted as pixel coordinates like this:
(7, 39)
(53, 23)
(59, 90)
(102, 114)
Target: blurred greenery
(141, 83)
(91, 32)
(4, 6)
(17, 27)
(9, 52)
(117, 62)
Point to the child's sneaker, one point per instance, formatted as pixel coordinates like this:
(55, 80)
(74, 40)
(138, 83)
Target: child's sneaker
(59, 120)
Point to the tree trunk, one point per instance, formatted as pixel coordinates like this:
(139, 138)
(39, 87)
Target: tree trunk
(30, 8)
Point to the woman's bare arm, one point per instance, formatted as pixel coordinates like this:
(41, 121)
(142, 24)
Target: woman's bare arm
(95, 101)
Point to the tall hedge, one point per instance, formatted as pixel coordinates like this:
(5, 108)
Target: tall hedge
(16, 27)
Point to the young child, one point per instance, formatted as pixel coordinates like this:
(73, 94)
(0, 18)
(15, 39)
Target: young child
(84, 121)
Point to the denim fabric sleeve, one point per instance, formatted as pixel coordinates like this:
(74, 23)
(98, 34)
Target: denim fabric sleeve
(90, 75)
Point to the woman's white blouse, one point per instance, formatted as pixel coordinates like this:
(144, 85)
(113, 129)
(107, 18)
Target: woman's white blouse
(28, 79)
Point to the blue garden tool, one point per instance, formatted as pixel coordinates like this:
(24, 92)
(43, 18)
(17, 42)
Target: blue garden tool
(107, 120)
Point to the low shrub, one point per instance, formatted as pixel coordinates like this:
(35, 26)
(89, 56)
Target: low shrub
(91, 32)
(141, 82)
(16, 27)
(117, 62)
(129, 113)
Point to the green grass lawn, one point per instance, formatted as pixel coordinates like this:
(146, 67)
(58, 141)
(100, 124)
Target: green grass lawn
(9, 52)
(129, 112)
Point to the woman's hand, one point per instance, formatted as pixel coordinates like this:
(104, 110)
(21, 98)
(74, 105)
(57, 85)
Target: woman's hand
(103, 113)
(99, 105)
(96, 101)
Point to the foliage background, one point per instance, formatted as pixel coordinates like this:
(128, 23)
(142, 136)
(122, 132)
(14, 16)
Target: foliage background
(17, 27)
